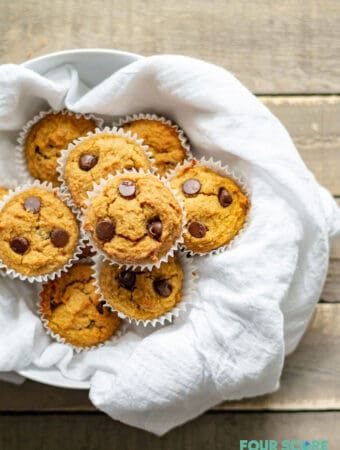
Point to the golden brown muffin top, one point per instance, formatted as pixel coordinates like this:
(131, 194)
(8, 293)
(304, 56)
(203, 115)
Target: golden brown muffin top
(47, 138)
(142, 295)
(96, 158)
(74, 311)
(215, 207)
(163, 142)
(135, 219)
(38, 232)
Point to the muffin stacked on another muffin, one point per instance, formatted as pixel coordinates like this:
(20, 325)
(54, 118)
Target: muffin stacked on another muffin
(134, 219)
(98, 156)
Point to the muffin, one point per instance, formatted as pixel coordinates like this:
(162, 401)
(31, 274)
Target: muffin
(215, 207)
(47, 137)
(142, 294)
(39, 233)
(73, 311)
(3, 191)
(96, 157)
(134, 219)
(165, 141)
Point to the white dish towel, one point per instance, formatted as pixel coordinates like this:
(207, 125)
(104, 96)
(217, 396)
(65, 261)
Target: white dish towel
(254, 301)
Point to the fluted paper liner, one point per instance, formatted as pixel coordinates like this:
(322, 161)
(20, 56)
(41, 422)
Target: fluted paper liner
(78, 250)
(226, 171)
(189, 288)
(7, 183)
(20, 152)
(121, 330)
(147, 116)
(62, 160)
(97, 189)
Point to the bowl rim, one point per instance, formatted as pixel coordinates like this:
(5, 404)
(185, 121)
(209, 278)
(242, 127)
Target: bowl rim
(75, 51)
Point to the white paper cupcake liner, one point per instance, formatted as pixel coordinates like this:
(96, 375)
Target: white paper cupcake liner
(113, 131)
(147, 116)
(20, 153)
(98, 188)
(78, 250)
(8, 183)
(189, 288)
(122, 329)
(225, 171)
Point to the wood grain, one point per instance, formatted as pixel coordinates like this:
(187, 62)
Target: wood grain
(208, 432)
(310, 378)
(273, 47)
(331, 291)
(313, 123)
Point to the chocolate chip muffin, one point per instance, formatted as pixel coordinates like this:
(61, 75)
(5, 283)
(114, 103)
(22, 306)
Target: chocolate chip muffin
(38, 232)
(135, 219)
(215, 207)
(74, 311)
(163, 140)
(142, 294)
(98, 156)
(46, 139)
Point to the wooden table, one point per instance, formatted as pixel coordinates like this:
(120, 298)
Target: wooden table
(287, 52)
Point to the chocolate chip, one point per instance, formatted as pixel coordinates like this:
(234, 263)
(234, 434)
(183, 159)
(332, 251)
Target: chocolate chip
(87, 161)
(191, 186)
(59, 237)
(162, 287)
(19, 245)
(127, 279)
(100, 307)
(224, 198)
(105, 230)
(155, 228)
(197, 229)
(91, 324)
(53, 305)
(32, 205)
(127, 189)
(39, 152)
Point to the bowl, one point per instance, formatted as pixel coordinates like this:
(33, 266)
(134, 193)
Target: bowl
(93, 66)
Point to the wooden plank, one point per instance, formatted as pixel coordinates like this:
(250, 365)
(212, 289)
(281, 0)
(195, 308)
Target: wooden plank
(210, 431)
(310, 378)
(33, 396)
(313, 123)
(286, 47)
(331, 291)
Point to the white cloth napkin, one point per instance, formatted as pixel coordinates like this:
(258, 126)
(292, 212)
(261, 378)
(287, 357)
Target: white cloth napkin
(253, 302)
